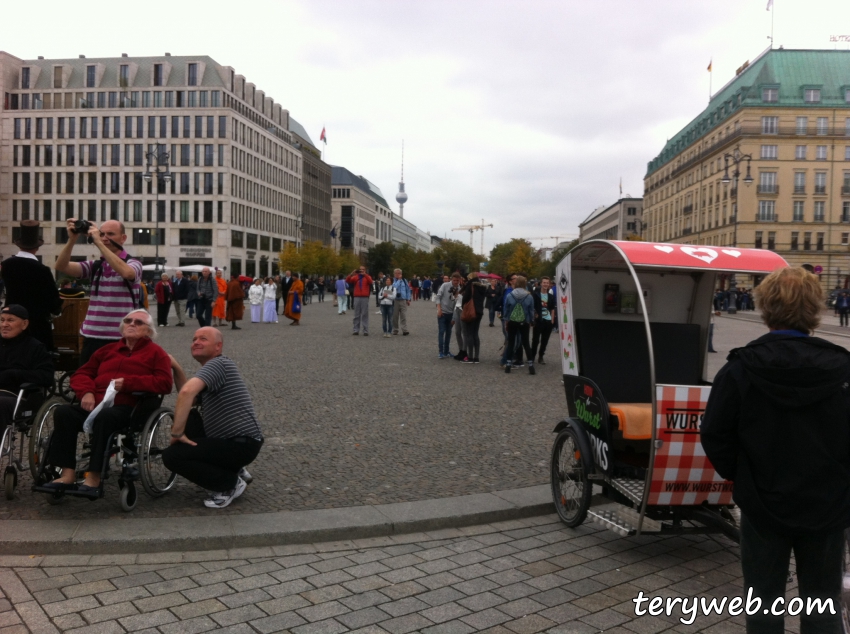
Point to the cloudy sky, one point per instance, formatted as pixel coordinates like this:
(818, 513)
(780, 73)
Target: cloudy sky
(523, 113)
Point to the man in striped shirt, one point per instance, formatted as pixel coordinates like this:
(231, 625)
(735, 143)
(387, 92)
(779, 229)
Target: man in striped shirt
(115, 280)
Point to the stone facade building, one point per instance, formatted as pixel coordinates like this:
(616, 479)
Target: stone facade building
(75, 140)
(359, 212)
(789, 110)
(620, 221)
(315, 188)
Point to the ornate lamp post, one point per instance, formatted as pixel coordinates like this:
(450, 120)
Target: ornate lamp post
(734, 159)
(157, 155)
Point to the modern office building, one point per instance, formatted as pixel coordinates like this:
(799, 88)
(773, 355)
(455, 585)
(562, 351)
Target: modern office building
(77, 135)
(404, 232)
(315, 188)
(783, 120)
(359, 212)
(619, 221)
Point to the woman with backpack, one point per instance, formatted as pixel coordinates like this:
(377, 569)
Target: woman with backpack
(519, 312)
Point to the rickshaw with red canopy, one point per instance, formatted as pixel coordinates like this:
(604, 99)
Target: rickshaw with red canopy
(633, 320)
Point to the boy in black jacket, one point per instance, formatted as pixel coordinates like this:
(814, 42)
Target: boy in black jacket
(544, 309)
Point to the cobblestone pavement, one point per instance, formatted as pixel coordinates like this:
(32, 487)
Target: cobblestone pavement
(355, 420)
(516, 577)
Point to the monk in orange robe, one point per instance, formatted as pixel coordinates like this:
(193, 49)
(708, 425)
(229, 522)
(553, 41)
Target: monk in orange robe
(295, 290)
(219, 311)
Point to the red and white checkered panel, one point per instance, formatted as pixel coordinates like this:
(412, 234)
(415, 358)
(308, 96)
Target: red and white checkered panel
(683, 475)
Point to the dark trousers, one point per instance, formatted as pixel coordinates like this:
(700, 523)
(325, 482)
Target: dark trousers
(7, 409)
(90, 346)
(321, 294)
(843, 314)
(492, 309)
(765, 557)
(204, 308)
(162, 313)
(471, 340)
(518, 340)
(542, 332)
(277, 305)
(69, 421)
(213, 463)
(190, 307)
(444, 332)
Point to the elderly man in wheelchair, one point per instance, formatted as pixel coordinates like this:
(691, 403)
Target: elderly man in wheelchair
(26, 371)
(137, 368)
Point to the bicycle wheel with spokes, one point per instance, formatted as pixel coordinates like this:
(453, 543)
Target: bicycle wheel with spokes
(40, 432)
(571, 465)
(156, 438)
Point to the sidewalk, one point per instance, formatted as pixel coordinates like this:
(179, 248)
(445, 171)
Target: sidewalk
(104, 536)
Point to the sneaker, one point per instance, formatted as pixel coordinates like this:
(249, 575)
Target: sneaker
(518, 364)
(223, 499)
(460, 356)
(475, 360)
(467, 360)
(531, 369)
(405, 334)
(508, 369)
(243, 473)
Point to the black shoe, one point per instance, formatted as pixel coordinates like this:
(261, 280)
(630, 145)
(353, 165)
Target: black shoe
(531, 369)
(467, 360)
(508, 368)
(541, 361)
(491, 325)
(355, 333)
(365, 334)
(460, 356)
(235, 328)
(405, 333)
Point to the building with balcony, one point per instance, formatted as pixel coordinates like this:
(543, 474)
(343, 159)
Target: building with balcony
(789, 111)
(75, 135)
(619, 221)
(315, 188)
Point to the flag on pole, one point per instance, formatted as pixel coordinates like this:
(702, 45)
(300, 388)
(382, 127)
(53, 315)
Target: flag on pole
(621, 185)
(710, 62)
(333, 232)
(323, 137)
(769, 5)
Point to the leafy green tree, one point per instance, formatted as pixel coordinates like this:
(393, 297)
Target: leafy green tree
(456, 255)
(290, 258)
(513, 257)
(379, 258)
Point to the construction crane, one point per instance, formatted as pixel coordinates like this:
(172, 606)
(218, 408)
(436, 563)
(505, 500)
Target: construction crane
(472, 229)
(557, 239)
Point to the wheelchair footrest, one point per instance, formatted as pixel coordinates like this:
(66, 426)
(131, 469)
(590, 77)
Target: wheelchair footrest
(90, 495)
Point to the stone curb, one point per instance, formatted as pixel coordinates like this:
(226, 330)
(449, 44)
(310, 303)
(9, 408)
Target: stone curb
(50, 537)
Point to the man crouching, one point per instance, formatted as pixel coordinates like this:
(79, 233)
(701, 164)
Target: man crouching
(212, 447)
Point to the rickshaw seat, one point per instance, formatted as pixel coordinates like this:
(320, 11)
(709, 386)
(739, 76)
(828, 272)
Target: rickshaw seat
(634, 419)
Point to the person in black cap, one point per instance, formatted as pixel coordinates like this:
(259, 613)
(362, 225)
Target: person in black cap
(30, 284)
(23, 359)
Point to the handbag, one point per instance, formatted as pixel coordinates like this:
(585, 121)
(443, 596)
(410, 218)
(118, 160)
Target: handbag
(468, 313)
(296, 303)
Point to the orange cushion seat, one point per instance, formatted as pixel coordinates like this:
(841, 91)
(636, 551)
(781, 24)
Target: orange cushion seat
(635, 419)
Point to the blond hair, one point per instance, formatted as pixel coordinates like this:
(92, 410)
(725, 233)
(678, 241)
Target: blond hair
(520, 281)
(790, 298)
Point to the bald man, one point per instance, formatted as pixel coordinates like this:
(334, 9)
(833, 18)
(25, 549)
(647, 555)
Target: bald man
(115, 283)
(212, 447)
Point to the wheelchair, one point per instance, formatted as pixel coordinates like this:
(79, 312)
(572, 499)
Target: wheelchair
(30, 399)
(135, 449)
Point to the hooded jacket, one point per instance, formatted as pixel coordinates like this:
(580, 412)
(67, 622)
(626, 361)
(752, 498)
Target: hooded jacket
(519, 296)
(777, 423)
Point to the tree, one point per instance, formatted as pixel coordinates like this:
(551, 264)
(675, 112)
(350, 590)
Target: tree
(310, 257)
(379, 258)
(348, 261)
(456, 255)
(516, 256)
(413, 261)
(290, 258)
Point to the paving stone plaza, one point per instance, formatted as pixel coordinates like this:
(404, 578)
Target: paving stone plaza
(354, 421)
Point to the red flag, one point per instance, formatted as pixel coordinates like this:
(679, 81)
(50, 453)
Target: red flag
(323, 137)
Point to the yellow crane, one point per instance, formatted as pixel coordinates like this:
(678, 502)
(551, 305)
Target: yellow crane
(472, 229)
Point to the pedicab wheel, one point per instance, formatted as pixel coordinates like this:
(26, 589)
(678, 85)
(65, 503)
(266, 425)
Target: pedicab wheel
(571, 465)
(128, 497)
(40, 436)
(157, 479)
(10, 482)
(845, 586)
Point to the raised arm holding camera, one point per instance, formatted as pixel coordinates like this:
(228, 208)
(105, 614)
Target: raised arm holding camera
(115, 280)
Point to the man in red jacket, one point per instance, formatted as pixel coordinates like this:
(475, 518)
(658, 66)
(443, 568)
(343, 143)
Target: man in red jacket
(136, 364)
(361, 289)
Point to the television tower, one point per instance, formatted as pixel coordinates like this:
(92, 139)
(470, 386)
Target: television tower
(401, 196)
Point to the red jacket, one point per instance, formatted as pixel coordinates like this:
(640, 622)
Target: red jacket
(145, 368)
(160, 292)
(361, 287)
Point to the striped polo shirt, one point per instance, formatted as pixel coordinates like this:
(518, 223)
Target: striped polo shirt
(112, 302)
(226, 405)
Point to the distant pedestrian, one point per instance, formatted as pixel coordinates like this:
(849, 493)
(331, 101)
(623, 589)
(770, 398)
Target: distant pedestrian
(164, 295)
(219, 312)
(207, 296)
(446, 297)
(235, 302)
(843, 306)
(320, 288)
(425, 289)
(294, 301)
(377, 285)
(278, 293)
(387, 297)
(309, 287)
(473, 292)
(269, 298)
(519, 309)
(255, 298)
(181, 295)
(492, 299)
(341, 290)
(414, 288)
(361, 289)
(192, 296)
(403, 295)
(544, 308)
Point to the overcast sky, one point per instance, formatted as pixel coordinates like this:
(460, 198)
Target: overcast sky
(525, 114)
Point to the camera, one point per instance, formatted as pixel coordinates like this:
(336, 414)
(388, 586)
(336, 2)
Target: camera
(82, 226)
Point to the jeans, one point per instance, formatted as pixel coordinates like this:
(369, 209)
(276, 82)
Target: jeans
(471, 341)
(765, 556)
(444, 333)
(69, 421)
(214, 463)
(843, 314)
(321, 294)
(458, 330)
(387, 318)
(204, 308)
(492, 309)
(542, 332)
(516, 342)
(361, 315)
(190, 308)
(342, 301)
(399, 315)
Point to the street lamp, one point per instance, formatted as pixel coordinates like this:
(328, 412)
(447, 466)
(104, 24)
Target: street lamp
(158, 155)
(735, 159)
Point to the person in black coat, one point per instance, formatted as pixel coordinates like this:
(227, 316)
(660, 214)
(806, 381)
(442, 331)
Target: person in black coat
(30, 284)
(544, 314)
(23, 359)
(285, 285)
(492, 299)
(180, 286)
(777, 424)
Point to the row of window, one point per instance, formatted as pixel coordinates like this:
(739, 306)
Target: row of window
(157, 78)
(134, 99)
(771, 152)
(110, 127)
(134, 154)
(256, 167)
(261, 195)
(795, 241)
(770, 125)
(246, 136)
(133, 211)
(770, 94)
(205, 183)
(260, 220)
(255, 242)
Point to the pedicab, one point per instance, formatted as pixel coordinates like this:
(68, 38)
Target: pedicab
(634, 323)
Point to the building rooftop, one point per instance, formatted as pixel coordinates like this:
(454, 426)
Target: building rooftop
(297, 128)
(791, 72)
(602, 209)
(342, 176)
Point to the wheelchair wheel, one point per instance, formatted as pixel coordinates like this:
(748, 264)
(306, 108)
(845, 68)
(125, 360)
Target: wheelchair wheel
(156, 438)
(6, 467)
(128, 497)
(63, 387)
(10, 481)
(40, 432)
(571, 465)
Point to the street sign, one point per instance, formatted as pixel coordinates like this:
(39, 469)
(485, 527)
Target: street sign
(818, 269)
